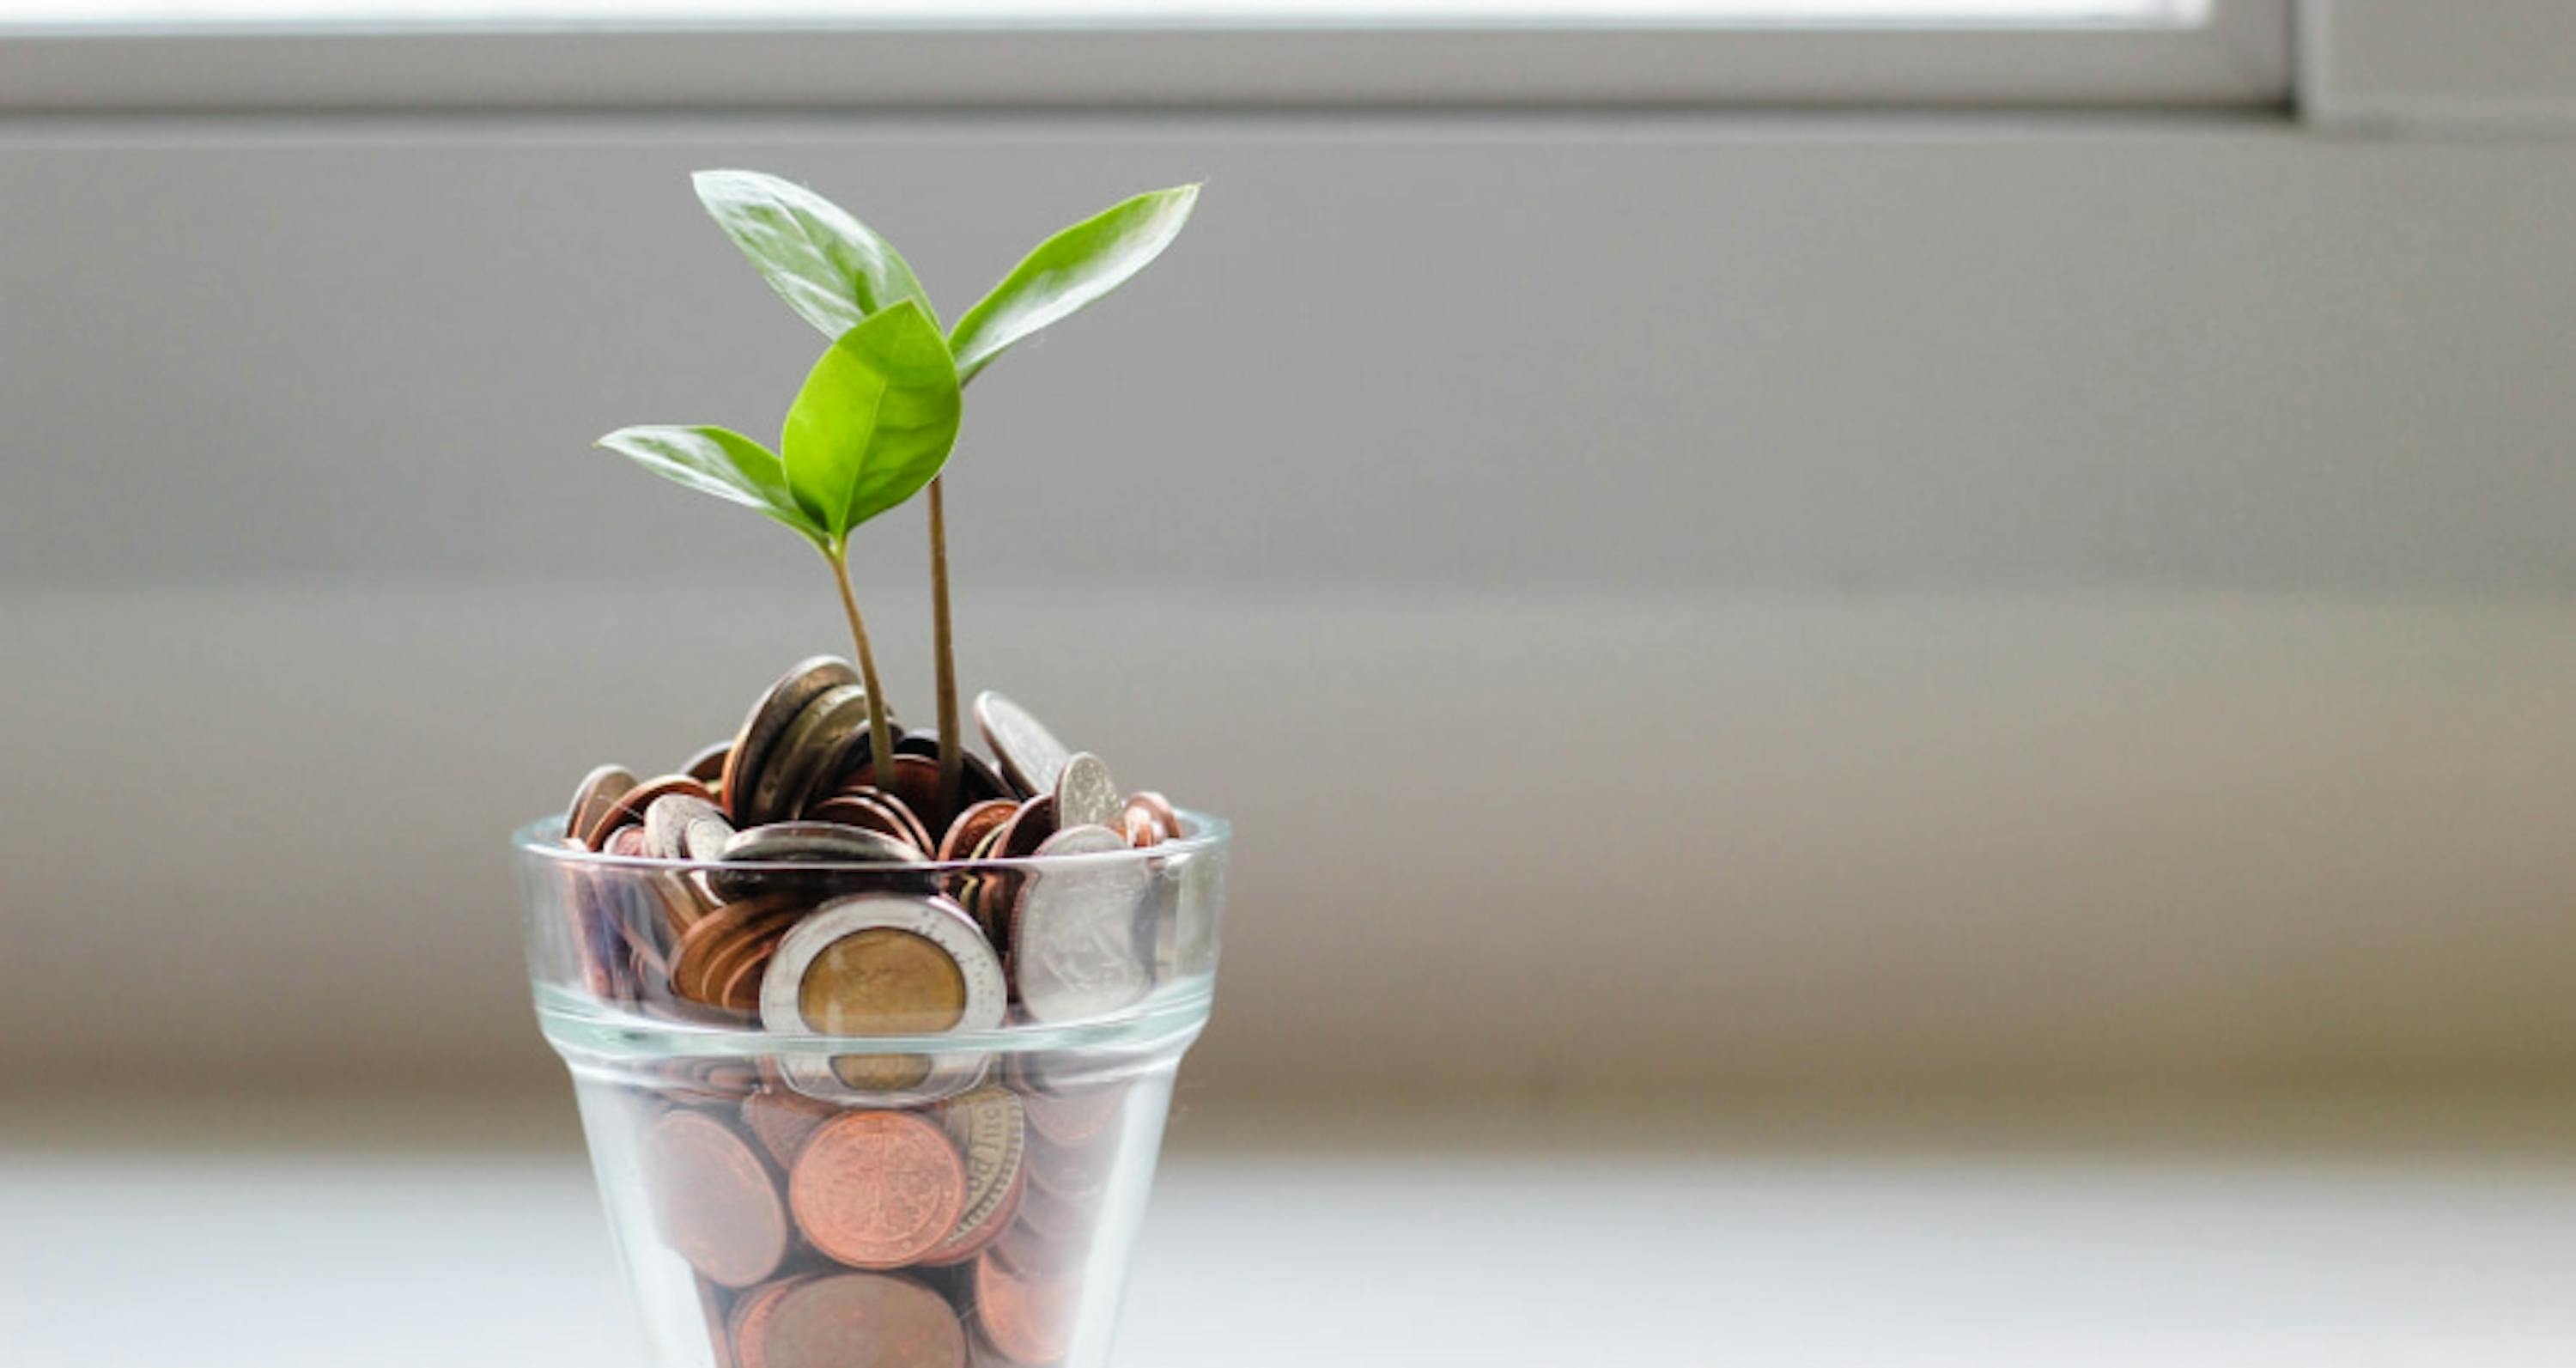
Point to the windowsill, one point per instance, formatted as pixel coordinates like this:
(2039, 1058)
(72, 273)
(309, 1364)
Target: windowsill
(2246, 1235)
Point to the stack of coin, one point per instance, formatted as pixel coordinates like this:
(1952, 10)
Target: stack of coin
(938, 1236)
(917, 1207)
(801, 817)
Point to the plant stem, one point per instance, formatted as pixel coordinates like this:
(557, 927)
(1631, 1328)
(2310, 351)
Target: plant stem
(943, 647)
(880, 735)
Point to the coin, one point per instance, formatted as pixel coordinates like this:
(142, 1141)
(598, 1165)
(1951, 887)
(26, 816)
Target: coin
(598, 792)
(678, 826)
(874, 810)
(877, 1189)
(1075, 943)
(884, 964)
(1031, 756)
(977, 781)
(973, 825)
(787, 844)
(782, 1121)
(992, 1138)
(626, 842)
(1029, 1319)
(855, 1320)
(633, 803)
(1075, 1116)
(769, 719)
(1029, 828)
(1157, 809)
(810, 752)
(916, 782)
(747, 1327)
(707, 766)
(1085, 795)
(714, 1200)
(714, 935)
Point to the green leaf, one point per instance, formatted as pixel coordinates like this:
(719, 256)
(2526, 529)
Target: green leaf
(1069, 270)
(875, 419)
(830, 268)
(712, 460)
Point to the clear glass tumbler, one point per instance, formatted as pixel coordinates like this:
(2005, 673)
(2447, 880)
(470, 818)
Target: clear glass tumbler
(963, 1193)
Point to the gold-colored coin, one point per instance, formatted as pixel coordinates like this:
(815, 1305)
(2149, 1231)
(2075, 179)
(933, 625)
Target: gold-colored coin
(881, 981)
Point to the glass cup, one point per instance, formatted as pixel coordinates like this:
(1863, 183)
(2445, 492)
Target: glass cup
(957, 1184)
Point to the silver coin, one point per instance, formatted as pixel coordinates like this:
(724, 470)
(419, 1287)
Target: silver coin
(1085, 795)
(934, 919)
(597, 794)
(1031, 756)
(769, 719)
(814, 842)
(788, 845)
(670, 821)
(813, 740)
(1075, 935)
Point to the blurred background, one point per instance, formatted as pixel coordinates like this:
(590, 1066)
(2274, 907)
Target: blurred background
(1905, 663)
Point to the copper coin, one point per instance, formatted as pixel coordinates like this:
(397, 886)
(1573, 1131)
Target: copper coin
(977, 781)
(1024, 1249)
(707, 766)
(916, 782)
(769, 719)
(877, 1189)
(720, 964)
(1029, 1319)
(710, 932)
(1085, 795)
(1159, 808)
(856, 1320)
(783, 1121)
(973, 825)
(1031, 756)
(807, 753)
(747, 1327)
(740, 990)
(598, 791)
(873, 810)
(632, 804)
(626, 841)
(1028, 829)
(713, 1199)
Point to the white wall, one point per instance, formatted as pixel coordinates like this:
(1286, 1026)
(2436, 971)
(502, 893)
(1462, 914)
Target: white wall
(1673, 602)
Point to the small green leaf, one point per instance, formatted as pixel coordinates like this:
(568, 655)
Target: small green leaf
(829, 267)
(875, 419)
(712, 460)
(1069, 270)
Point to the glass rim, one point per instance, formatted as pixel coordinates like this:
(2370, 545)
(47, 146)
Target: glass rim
(543, 839)
(1162, 1015)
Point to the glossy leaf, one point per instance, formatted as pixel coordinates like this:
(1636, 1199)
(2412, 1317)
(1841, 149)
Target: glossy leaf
(830, 268)
(712, 460)
(1068, 271)
(875, 420)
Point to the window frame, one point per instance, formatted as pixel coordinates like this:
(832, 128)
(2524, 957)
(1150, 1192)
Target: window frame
(2241, 57)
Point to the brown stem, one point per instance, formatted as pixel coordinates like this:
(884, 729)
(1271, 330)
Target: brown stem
(880, 735)
(943, 647)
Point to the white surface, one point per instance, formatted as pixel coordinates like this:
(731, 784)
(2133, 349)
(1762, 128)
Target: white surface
(1747, 1251)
